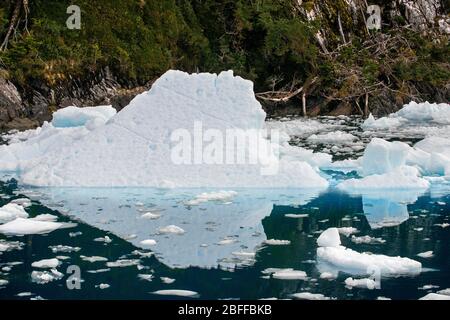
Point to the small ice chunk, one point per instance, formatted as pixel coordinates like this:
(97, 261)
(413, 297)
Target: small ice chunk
(309, 296)
(329, 238)
(275, 242)
(222, 196)
(22, 226)
(45, 217)
(295, 216)
(435, 296)
(12, 211)
(167, 280)
(327, 275)
(226, 241)
(444, 292)
(146, 277)
(103, 286)
(93, 259)
(46, 263)
(171, 229)
(63, 248)
(176, 292)
(426, 254)
(148, 242)
(367, 240)
(43, 277)
(150, 215)
(3, 282)
(347, 231)
(290, 274)
(104, 239)
(24, 202)
(123, 263)
(365, 283)
(332, 254)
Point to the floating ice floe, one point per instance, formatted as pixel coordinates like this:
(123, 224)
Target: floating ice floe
(43, 277)
(290, 274)
(148, 242)
(104, 239)
(426, 254)
(365, 283)
(412, 114)
(102, 286)
(12, 211)
(347, 231)
(335, 137)
(63, 248)
(93, 259)
(10, 245)
(309, 296)
(171, 229)
(367, 240)
(222, 196)
(396, 165)
(150, 215)
(21, 226)
(276, 242)
(46, 263)
(176, 292)
(327, 275)
(45, 217)
(401, 178)
(167, 280)
(144, 143)
(333, 257)
(435, 296)
(122, 263)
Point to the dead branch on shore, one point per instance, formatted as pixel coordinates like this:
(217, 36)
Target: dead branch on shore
(282, 95)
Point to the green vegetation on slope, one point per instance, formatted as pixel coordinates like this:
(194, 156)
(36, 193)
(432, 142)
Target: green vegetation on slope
(270, 42)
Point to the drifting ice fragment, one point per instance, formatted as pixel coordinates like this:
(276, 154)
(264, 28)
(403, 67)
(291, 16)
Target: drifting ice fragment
(332, 256)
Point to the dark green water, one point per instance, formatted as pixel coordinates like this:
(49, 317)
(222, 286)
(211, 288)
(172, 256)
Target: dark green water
(327, 209)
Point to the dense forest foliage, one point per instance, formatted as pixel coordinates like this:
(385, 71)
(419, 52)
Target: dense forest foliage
(274, 43)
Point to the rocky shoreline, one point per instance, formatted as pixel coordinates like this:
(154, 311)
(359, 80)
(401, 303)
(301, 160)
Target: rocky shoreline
(26, 108)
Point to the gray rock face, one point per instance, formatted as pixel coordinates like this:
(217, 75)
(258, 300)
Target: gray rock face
(11, 106)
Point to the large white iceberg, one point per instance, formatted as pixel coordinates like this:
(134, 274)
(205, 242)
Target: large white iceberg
(136, 146)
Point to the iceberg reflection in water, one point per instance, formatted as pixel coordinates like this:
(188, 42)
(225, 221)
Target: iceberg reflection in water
(217, 232)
